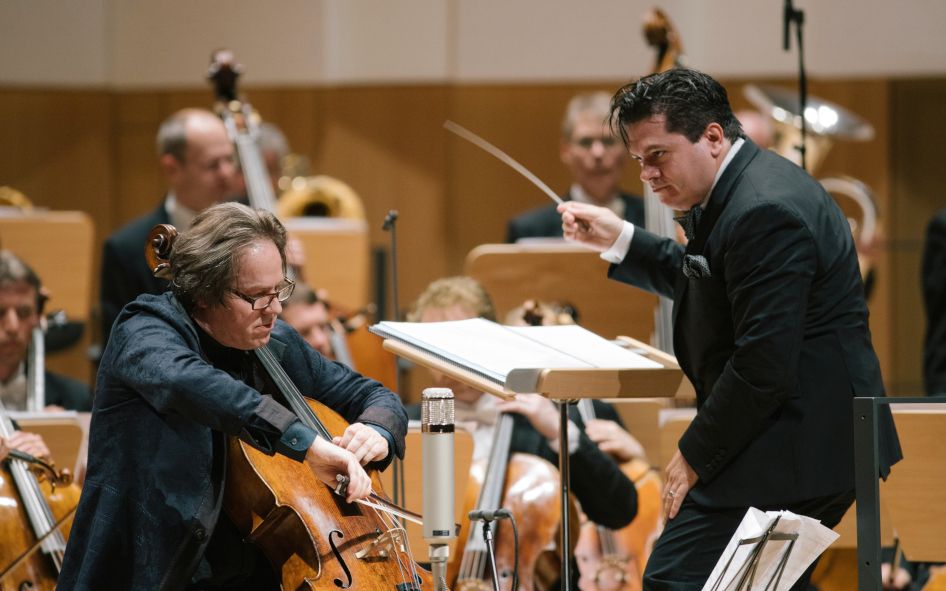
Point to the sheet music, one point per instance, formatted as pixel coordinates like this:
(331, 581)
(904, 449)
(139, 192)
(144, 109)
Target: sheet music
(813, 539)
(493, 350)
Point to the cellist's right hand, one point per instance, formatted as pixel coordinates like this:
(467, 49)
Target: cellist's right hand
(327, 460)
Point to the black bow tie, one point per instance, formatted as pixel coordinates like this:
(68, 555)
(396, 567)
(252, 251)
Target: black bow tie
(690, 220)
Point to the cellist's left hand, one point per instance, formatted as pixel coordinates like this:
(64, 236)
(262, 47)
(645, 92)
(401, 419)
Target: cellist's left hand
(364, 442)
(30, 443)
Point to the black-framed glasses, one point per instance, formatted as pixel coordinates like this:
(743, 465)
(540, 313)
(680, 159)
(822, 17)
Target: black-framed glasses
(264, 301)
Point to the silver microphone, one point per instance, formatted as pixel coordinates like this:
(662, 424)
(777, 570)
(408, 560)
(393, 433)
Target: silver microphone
(436, 418)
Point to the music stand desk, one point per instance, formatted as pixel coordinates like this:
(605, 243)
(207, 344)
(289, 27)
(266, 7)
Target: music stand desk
(918, 474)
(563, 386)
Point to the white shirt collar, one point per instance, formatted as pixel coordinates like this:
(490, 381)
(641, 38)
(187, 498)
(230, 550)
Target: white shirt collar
(722, 167)
(181, 216)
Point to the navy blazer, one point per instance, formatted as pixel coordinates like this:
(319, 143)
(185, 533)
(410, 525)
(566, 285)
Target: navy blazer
(934, 300)
(546, 222)
(157, 441)
(125, 274)
(774, 338)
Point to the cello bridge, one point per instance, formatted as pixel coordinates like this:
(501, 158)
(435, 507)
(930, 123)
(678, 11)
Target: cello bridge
(383, 544)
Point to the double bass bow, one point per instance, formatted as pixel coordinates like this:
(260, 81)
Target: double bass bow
(310, 535)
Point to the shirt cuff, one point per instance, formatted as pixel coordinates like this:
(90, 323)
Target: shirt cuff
(618, 250)
(573, 437)
(295, 441)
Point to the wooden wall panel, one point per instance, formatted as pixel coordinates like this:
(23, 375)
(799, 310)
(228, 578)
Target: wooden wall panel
(918, 190)
(93, 151)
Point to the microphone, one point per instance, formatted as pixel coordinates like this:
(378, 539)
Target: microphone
(488, 516)
(437, 443)
(389, 220)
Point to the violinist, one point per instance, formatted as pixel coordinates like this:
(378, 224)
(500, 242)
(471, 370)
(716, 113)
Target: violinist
(21, 304)
(606, 495)
(177, 378)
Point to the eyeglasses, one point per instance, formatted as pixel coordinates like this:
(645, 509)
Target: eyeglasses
(264, 301)
(588, 142)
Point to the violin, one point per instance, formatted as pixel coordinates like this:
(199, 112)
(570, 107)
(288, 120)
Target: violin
(528, 486)
(310, 535)
(37, 504)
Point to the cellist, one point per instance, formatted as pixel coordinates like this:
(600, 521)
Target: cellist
(176, 378)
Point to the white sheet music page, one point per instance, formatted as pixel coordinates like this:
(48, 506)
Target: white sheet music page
(813, 539)
(494, 350)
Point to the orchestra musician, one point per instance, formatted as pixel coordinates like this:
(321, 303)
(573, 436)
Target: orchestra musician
(606, 495)
(770, 321)
(176, 378)
(595, 159)
(197, 159)
(308, 314)
(21, 308)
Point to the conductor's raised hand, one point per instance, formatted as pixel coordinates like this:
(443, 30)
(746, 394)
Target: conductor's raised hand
(595, 227)
(327, 460)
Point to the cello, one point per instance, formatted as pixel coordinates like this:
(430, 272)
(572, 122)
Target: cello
(310, 535)
(37, 503)
(528, 486)
(615, 559)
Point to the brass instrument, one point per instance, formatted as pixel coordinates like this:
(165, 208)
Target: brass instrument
(826, 122)
(320, 196)
(10, 197)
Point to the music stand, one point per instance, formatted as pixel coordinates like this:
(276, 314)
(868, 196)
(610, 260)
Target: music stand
(561, 386)
(563, 273)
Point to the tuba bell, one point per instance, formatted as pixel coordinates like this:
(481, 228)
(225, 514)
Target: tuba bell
(826, 122)
(319, 196)
(10, 197)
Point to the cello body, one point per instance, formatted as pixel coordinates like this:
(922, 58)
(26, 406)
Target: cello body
(312, 538)
(609, 560)
(18, 542)
(531, 493)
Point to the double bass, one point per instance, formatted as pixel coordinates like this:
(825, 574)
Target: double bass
(310, 535)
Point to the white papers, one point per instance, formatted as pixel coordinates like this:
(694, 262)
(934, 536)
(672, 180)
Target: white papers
(812, 539)
(493, 351)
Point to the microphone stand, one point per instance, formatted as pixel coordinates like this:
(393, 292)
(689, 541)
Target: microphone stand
(797, 16)
(490, 551)
(397, 469)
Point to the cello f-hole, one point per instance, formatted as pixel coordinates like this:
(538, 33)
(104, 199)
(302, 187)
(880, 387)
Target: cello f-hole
(341, 561)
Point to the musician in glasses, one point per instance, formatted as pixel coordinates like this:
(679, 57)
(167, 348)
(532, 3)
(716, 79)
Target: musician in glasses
(595, 159)
(179, 375)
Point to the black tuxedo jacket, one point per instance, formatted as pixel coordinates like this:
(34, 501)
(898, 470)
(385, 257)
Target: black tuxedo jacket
(606, 495)
(546, 222)
(774, 338)
(125, 274)
(934, 299)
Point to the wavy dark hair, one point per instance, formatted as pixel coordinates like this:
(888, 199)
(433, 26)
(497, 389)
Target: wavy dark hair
(204, 257)
(689, 99)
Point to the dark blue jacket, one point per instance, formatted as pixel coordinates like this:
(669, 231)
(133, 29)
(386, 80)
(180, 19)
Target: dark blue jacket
(151, 497)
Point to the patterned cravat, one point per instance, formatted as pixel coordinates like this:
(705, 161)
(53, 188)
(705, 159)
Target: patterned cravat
(689, 220)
